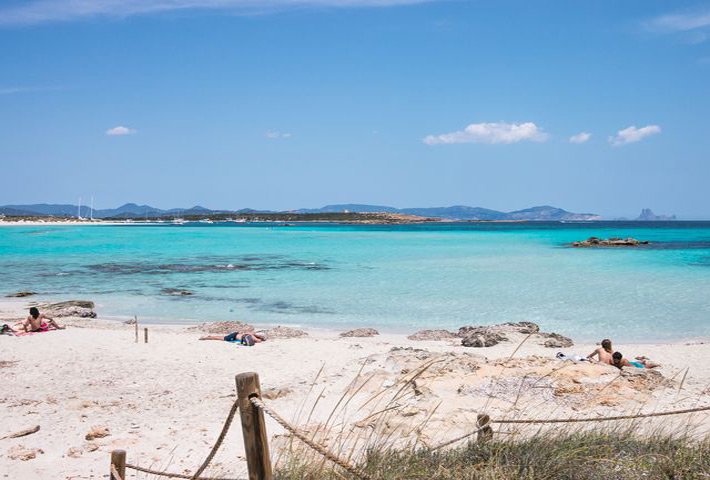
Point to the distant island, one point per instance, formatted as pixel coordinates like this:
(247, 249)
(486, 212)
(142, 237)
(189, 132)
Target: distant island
(359, 213)
(134, 211)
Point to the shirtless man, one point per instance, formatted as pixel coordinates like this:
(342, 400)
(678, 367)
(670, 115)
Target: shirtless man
(246, 338)
(604, 353)
(39, 322)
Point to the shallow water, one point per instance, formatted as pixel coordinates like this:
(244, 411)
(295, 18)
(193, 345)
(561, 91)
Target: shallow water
(399, 278)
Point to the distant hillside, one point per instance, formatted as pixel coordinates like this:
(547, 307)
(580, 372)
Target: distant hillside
(462, 212)
(456, 212)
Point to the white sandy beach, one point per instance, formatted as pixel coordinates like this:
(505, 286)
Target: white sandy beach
(165, 401)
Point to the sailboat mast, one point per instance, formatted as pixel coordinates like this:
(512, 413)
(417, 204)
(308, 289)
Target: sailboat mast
(91, 212)
(78, 210)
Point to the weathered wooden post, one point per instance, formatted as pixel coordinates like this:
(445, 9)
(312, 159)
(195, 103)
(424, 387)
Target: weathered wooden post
(135, 317)
(485, 432)
(145, 334)
(256, 442)
(118, 462)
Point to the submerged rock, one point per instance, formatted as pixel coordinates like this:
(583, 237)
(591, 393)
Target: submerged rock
(610, 242)
(360, 332)
(20, 294)
(432, 335)
(177, 292)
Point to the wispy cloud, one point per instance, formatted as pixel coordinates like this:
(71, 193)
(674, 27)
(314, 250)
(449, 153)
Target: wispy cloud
(14, 90)
(581, 137)
(120, 131)
(632, 134)
(680, 22)
(42, 11)
(499, 132)
(271, 135)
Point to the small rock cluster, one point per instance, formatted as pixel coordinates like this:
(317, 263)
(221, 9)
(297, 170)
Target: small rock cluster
(360, 333)
(490, 335)
(71, 308)
(610, 242)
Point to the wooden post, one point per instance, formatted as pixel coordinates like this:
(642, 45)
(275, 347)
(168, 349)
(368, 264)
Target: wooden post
(145, 333)
(136, 319)
(118, 460)
(485, 433)
(256, 442)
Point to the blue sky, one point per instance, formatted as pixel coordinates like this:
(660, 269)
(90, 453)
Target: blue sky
(285, 104)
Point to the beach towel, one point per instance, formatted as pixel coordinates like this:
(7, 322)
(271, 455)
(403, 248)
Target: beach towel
(571, 358)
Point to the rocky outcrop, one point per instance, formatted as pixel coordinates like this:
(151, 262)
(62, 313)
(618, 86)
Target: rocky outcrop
(489, 335)
(71, 308)
(360, 333)
(285, 332)
(555, 340)
(223, 328)
(609, 242)
(422, 335)
(647, 215)
(484, 338)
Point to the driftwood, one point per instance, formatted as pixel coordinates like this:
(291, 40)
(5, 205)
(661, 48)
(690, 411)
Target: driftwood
(22, 433)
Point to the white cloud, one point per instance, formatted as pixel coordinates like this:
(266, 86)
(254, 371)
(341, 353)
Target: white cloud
(120, 131)
(271, 135)
(680, 22)
(581, 137)
(632, 134)
(42, 11)
(500, 132)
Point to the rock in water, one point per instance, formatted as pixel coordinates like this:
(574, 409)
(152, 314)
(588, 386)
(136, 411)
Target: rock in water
(610, 242)
(20, 294)
(432, 335)
(360, 332)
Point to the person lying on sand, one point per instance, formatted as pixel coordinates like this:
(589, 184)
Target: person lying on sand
(39, 322)
(603, 353)
(619, 361)
(246, 338)
(6, 329)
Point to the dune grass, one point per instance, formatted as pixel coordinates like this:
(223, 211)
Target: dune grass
(605, 453)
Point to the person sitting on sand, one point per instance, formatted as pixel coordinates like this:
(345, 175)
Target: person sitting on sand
(39, 322)
(619, 361)
(246, 338)
(603, 353)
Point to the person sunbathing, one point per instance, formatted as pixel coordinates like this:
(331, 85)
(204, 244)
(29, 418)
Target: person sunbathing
(39, 322)
(619, 361)
(245, 338)
(603, 353)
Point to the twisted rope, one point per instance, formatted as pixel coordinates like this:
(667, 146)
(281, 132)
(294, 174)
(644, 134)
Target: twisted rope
(220, 439)
(173, 475)
(605, 419)
(206, 462)
(258, 403)
(479, 428)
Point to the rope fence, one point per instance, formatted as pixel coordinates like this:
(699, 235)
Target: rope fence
(253, 408)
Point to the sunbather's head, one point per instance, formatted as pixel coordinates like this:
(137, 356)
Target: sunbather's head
(617, 358)
(34, 312)
(606, 345)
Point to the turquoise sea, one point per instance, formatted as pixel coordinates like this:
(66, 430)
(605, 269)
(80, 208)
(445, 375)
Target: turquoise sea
(395, 278)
